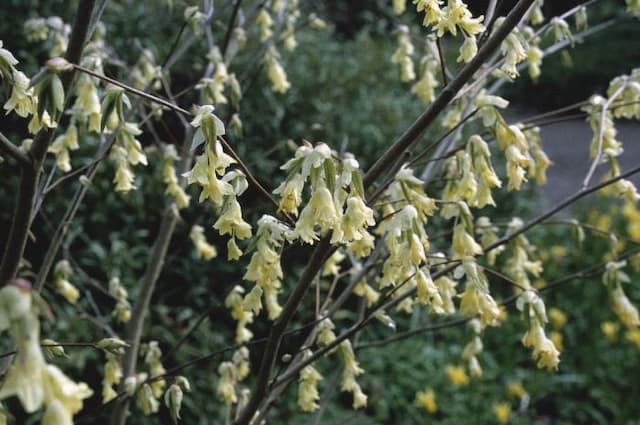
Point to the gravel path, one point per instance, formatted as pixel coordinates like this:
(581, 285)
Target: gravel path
(567, 145)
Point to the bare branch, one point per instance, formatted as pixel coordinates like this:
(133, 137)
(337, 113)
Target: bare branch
(14, 248)
(412, 134)
(14, 151)
(133, 90)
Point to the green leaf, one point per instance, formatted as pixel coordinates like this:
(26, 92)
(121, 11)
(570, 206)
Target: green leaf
(107, 107)
(356, 178)
(209, 128)
(330, 174)
(57, 94)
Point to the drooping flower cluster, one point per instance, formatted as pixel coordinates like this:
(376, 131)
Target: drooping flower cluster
(203, 248)
(112, 377)
(265, 23)
(220, 185)
(212, 89)
(126, 153)
(62, 145)
(476, 299)
(514, 48)
(62, 272)
(53, 29)
(524, 155)
(231, 374)
(451, 18)
(235, 302)
(308, 394)
(425, 87)
(406, 212)
(605, 147)
(264, 268)
(88, 100)
(148, 386)
(337, 198)
(22, 99)
(122, 310)
(30, 378)
(351, 369)
(275, 71)
(614, 278)
(473, 349)
(519, 265)
(146, 73)
(171, 179)
(544, 350)
(402, 55)
(174, 395)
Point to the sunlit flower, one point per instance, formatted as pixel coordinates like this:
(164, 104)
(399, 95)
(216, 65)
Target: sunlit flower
(502, 411)
(427, 400)
(457, 375)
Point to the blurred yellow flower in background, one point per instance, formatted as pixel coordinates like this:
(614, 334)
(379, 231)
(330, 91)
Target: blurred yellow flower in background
(427, 400)
(502, 411)
(457, 375)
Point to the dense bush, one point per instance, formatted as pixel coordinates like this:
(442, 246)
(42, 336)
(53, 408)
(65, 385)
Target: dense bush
(345, 91)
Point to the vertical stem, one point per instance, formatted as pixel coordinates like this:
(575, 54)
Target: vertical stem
(232, 21)
(14, 248)
(277, 330)
(408, 139)
(135, 325)
(133, 333)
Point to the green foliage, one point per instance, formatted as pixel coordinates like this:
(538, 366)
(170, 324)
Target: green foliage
(344, 92)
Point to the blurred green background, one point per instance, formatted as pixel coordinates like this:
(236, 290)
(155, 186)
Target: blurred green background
(344, 91)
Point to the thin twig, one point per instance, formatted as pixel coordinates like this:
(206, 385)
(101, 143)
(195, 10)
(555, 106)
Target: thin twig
(443, 65)
(408, 139)
(14, 151)
(14, 248)
(568, 201)
(547, 52)
(589, 271)
(603, 116)
(57, 344)
(384, 306)
(133, 90)
(232, 21)
(249, 175)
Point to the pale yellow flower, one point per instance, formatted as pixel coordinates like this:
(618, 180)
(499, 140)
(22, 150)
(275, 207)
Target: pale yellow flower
(203, 248)
(230, 221)
(25, 378)
(502, 411)
(399, 6)
(558, 318)
(624, 309)
(468, 50)
(457, 375)
(265, 23)
(633, 336)
(21, 100)
(68, 393)
(610, 330)
(515, 390)
(427, 400)
(308, 394)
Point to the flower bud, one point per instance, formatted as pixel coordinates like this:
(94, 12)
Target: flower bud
(53, 349)
(184, 383)
(57, 65)
(173, 401)
(112, 345)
